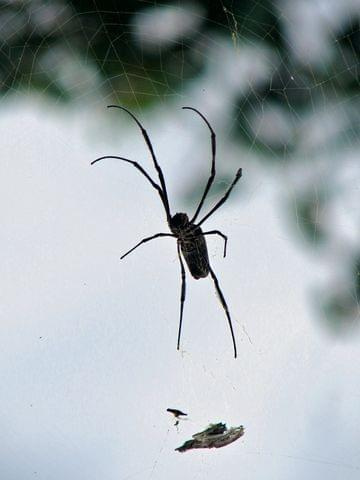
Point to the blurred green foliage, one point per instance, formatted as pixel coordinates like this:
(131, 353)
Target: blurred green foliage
(101, 34)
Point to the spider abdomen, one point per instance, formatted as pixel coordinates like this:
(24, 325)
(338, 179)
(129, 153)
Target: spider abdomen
(194, 249)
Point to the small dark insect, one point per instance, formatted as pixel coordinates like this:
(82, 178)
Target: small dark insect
(190, 238)
(178, 414)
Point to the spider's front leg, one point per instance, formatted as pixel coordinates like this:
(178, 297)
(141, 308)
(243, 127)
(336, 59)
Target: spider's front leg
(224, 198)
(147, 239)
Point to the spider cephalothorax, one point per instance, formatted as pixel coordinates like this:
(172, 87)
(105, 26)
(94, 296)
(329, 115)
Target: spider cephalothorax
(190, 237)
(178, 223)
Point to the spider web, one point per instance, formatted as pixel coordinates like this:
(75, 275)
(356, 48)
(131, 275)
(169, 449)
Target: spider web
(279, 82)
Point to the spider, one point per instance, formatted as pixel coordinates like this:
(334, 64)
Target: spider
(191, 243)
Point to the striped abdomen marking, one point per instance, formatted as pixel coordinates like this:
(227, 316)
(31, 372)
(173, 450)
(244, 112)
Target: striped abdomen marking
(194, 249)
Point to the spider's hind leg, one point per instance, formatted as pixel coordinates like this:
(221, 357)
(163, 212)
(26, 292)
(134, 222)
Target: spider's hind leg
(225, 307)
(183, 293)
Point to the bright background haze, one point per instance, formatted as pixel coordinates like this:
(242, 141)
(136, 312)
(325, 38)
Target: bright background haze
(88, 356)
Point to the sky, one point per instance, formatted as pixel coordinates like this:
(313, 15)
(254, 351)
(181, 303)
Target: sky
(88, 356)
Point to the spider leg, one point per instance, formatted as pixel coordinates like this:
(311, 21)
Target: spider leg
(147, 239)
(141, 170)
(213, 172)
(225, 307)
(217, 232)
(224, 198)
(183, 293)
(157, 166)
